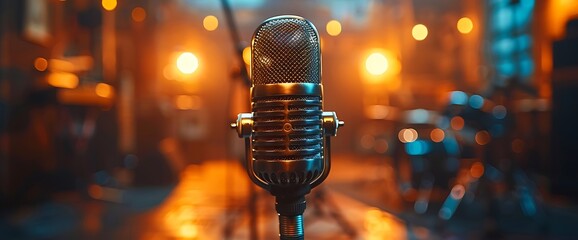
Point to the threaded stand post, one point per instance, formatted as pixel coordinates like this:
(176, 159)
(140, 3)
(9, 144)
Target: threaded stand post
(290, 210)
(291, 227)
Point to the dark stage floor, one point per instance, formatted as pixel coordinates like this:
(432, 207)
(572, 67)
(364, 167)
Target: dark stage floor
(360, 200)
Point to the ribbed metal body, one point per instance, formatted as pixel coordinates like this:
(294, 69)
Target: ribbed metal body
(287, 102)
(291, 227)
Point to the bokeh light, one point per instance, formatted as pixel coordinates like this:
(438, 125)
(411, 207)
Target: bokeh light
(210, 23)
(187, 63)
(103, 90)
(63, 80)
(376, 64)
(109, 5)
(483, 137)
(437, 135)
(407, 135)
(419, 32)
(476, 101)
(41, 64)
(138, 14)
(465, 25)
(333, 28)
(499, 112)
(457, 123)
(477, 170)
(247, 55)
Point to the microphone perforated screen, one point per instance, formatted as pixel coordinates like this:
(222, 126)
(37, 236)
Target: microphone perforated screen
(286, 50)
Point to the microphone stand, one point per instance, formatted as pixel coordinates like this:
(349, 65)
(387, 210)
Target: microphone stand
(243, 74)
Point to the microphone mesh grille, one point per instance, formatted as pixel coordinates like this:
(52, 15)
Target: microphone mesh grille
(286, 50)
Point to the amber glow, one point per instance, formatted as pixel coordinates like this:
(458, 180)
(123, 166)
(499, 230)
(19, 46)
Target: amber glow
(187, 63)
(376, 64)
(419, 32)
(40, 64)
(483, 137)
(477, 170)
(333, 28)
(559, 12)
(381, 225)
(210, 23)
(103, 90)
(437, 135)
(186, 102)
(381, 66)
(109, 5)
(62, 80)
(247, 55)
(465, 25)
(59, 65)
(138, 14)
(457, 123)
(407, 135)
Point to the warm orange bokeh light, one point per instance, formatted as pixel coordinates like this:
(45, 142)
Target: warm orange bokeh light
(376, 64)
(407, 135)
(333, 28)
(41, 64)
(62, 80)
(477, 170)
(437, 135)
(103, 90)
(419, 32)
(457, 123)
(138, 14)
(210, 23)
(187, 63)
(109, 5)
(247, 55)
(483, 137)
(465, 25)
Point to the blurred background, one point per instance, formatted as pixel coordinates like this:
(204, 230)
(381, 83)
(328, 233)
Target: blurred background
(461, 119)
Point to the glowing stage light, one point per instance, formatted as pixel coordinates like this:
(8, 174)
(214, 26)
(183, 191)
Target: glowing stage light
(376, 64)
(210, 23)
(407, 135)
(419, 32)
(333, 28)
(63, 80)
(109, 5)
(187, 63)
(103, 90)
(465, 25)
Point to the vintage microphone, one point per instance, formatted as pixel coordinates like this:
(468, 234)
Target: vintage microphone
(287, 133)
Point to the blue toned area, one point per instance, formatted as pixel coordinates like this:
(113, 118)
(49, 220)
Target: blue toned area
(458, 98)
(418, 116)
(499, 112)
(418, 147)
(476, 101)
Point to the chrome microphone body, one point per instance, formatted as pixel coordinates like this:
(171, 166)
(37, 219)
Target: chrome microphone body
(287, 133)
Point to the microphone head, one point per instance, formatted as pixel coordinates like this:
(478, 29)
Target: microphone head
(286, 49)
(287, 142)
